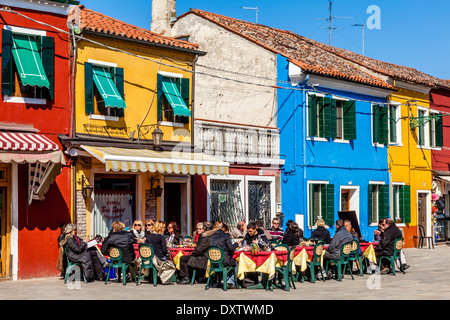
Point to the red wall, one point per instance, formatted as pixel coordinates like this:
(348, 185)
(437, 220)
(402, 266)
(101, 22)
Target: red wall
(39, 222)
(440, 100)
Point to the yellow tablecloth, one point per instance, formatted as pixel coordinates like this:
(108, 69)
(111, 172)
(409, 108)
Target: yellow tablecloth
(246, 264)
(369, 253)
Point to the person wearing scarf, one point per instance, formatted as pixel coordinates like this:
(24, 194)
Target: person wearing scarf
(77, 252)
(138, 232)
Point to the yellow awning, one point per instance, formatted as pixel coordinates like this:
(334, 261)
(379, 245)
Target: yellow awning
(143, 160)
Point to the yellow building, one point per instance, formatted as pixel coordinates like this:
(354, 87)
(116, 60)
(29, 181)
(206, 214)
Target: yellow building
(132, 86)
(409, 160)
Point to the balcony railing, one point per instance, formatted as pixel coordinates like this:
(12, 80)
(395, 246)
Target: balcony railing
(237, 143)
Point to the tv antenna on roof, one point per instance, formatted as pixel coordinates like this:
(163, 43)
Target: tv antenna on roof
(252, 8)
(330, 20)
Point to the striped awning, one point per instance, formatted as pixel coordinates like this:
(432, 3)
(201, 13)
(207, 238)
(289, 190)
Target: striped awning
(21, 141)
(143, 160)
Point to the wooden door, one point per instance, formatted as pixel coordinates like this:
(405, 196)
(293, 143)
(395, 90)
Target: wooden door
(422, 211)
(5, 220)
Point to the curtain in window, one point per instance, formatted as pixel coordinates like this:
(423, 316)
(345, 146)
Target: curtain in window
(109, 208)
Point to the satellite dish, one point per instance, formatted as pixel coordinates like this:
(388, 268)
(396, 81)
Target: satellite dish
(73, 19)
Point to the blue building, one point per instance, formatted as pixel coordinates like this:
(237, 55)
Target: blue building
(327, 128)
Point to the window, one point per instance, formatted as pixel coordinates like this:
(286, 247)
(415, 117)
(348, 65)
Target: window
(436, 130)
(27, 64)
(173, 99)
(395, 125)
(321, 203)
(423, 134)
(104, 90)
(331, 118)
(225, 201)
(379, 124)
(401, 203)
(378, 201)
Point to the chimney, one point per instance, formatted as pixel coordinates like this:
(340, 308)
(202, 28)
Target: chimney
(163, 14)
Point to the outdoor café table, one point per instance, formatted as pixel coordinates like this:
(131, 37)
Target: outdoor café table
(177, 252)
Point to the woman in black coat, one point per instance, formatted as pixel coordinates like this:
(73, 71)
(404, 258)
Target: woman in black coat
(292, 235)
(77, 252)
(222, 239)
(321, 232)
(122, 239)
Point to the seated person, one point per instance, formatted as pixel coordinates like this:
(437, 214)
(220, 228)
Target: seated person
(166, 268)
(174, 236)
(386, 245)
(292, 235)
(122, 239)
(321, 232)
(222, 239)
(275, 231)
(378, 233)
(260, 227)
(138, 232)
(198, 258)
(348, 226)
(341, 237)
(239, 231)
(254, 237)
(77, 252)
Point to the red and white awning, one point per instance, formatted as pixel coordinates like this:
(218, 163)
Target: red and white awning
(22, 141)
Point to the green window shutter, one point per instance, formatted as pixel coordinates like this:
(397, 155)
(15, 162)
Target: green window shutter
(327, 119)
(160, 97)
(120, 85)
(48, 62)
(384, 125)
(405, 203)
(370, 209)
(7, 63)
(383, 202)
(183, 87)
(311, 205)
(349, 114)
(375, 124)
(312, 116)
(392, 123)
(439, 132)
(88, 88)
(327, 204)
(321, 117)
(333, 126)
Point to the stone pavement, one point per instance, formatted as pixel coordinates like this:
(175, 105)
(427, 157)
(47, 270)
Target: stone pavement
(428, 278)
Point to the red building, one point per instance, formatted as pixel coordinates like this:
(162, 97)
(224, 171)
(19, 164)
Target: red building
(440, 107)
(35, 179)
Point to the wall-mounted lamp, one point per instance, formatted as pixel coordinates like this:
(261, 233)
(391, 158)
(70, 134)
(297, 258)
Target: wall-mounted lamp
(86, 189)
(157, 192)
(157, 135)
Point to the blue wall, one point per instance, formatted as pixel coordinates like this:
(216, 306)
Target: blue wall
(342, 164)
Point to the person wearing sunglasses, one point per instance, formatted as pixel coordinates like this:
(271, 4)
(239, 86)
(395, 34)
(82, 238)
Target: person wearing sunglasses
(138, 232)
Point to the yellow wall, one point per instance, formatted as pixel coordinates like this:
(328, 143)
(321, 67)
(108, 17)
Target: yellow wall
(409, 163)
(140, 77)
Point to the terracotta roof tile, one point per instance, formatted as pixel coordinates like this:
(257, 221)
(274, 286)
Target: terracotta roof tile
(394, 71)
(300, 50)
(97, 22)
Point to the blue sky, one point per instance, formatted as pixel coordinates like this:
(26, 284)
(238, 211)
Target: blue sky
(412, 33)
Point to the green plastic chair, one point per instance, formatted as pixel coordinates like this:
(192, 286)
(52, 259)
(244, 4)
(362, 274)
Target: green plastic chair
(146, 252)
(316, 262)
(343, 262)
(115, 255)
(398, 245)
(215, 258)
(69, 267)
(286, 271)
(355, 255)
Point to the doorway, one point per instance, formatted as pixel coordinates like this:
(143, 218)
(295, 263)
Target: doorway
(176, 202)
(423, 214)
(5, 220)
(172, 204)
